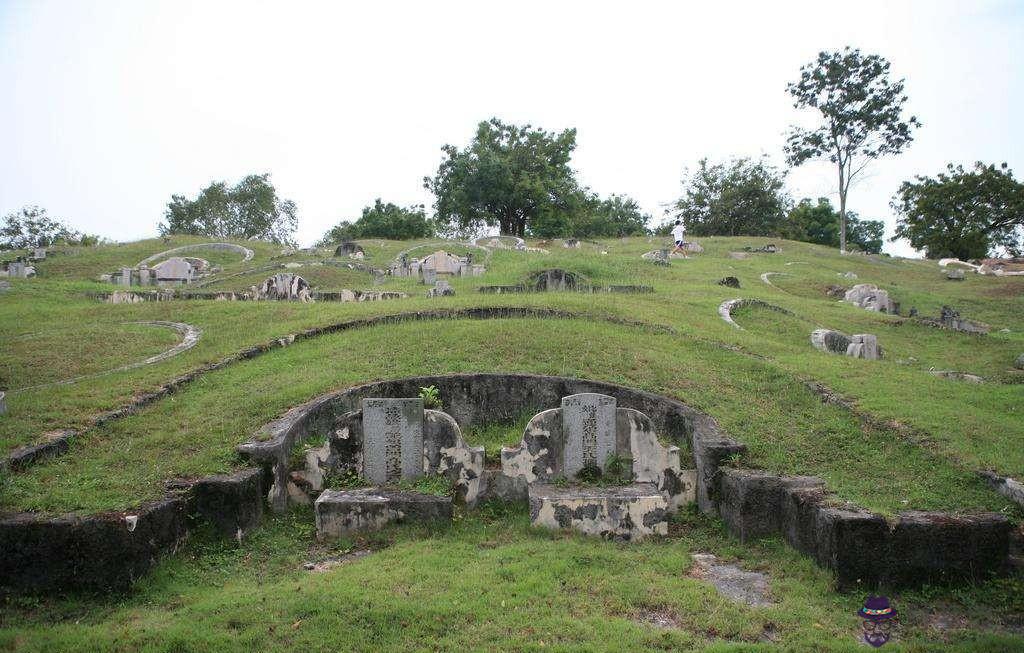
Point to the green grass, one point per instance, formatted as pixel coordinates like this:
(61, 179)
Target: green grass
(489, 582)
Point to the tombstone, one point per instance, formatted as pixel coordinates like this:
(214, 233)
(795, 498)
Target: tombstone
(392, 440)
(3, 403)
(175, 270)
(830, 341)
(588, 422)
(444, 263)
(429, 275)
(955, 274)
(1019, 363)
(441, 289)
(871, 298)
(144, 275)
(38, 254)
(126, 277)
(347, 248)
(287, 286)
(864, 345)
(477, 270)
(571, 243)
(17, 269)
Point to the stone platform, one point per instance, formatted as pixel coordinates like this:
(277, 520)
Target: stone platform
(343, 512)
(631, 512)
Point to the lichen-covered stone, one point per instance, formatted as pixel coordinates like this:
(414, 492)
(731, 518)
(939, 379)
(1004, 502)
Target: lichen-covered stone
(340, 513)
(629, 513)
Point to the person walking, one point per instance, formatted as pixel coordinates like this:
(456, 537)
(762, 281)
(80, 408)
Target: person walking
(679, 235)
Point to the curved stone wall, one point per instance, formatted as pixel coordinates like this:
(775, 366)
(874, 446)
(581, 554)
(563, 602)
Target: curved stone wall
(246, 253)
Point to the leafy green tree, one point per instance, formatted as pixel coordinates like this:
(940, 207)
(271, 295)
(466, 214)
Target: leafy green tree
(508, 177)
(614, 217)
(962, 214)
(250, 209)
(861, 117)
(819, 223)
(31, 227)
(382, 221)
(740, 197)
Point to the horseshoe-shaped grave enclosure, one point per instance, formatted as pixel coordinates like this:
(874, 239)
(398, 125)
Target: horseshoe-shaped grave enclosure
(678, 455)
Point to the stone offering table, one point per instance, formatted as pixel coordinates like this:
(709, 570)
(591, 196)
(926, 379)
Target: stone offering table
(586, 436)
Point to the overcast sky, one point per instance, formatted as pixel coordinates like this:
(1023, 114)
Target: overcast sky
(110, 107)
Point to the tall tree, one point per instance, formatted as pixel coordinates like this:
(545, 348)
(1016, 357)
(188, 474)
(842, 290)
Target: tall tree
(962, 214)
(250, 209)
(508, 177)
(382, 221)
(740, 197)
(819, 223)
(32, 227)
(861, 117)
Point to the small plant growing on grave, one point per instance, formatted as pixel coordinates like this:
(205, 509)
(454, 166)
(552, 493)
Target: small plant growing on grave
(590, 473)
(297, 456)
(618, 470)
(347, 480)
(435, 484)
(431, 396)
(734, 460)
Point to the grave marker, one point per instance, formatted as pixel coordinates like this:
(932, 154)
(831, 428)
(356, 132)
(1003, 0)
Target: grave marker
(588, 424)
(392, 439)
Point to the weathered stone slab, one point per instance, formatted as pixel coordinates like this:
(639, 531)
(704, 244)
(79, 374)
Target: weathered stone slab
(392, 439)
(864, 345)
(340, 513)
(628, 513)
(932, 547)
(830, 341)
(588, 426)
(233, 503)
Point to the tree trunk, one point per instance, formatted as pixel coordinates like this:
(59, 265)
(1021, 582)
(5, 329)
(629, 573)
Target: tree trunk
(842, 210)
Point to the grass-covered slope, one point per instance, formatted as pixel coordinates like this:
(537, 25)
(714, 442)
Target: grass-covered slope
(489, 582)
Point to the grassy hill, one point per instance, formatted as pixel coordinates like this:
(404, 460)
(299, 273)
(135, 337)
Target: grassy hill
(911, 441)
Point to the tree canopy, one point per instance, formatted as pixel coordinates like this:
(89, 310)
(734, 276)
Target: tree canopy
(31, 227)
(382, 221)
(739, 197)
(860, 117)
(819, 223)
(510, 176)
(586, 215)
(250, 209)
(963, 214)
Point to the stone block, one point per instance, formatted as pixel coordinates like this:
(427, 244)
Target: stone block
(629, 513)
(934, 547)
(233, 503)
(342, 513)
(749, 502)
(864, 345)
(588, 428)
(954, 274)
(392, 439)
(830, 341)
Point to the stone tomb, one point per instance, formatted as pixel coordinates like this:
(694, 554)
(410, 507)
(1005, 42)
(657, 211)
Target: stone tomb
(589, 432)
(386, 442)
(392, 440)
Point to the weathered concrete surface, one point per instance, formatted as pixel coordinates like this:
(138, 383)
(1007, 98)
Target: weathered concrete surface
(830, 341)
(1006, 486)
(233, 503)
(629, 513)
(860, 547)
(51, 445)
(102, 552)
(738, 585)
(872, 298)
(341, 513)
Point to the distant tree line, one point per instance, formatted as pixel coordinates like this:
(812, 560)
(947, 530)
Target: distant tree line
(31, 227)
(519, 180)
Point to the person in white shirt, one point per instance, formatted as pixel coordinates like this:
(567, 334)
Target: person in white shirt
(679, 235)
